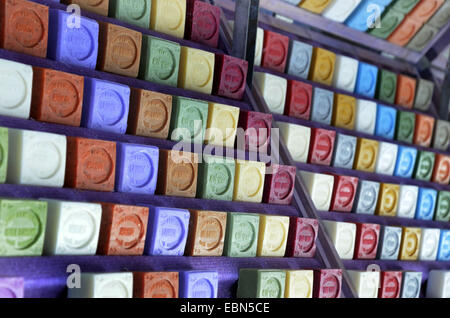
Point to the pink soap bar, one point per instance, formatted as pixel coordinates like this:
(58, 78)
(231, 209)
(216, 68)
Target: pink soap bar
(302, 237)
(279, 185)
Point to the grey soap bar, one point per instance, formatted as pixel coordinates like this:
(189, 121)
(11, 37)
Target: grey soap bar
(422, 38)
(390, 239)
(441, 135)
(299, 59)
(411, 283)
(322, 106)
(441, 17)
(366, 197)
(424, 94)
(344, 153)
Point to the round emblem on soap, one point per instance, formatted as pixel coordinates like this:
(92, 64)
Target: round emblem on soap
(13, 90)
(391, 288)
(322, 195)
(219, 179)
(252, 181)
(111, 108)
(123, 51)
(43, 159)
(406, 162)
(368, 156)
(345, 153)
(345, 242)
(346, 113)
(162, 288)
(369, 82)
(78, 229)
(369, 241)
(323, 107)
(367, 197)
(369, 288)
(226, 124)
(244, 236)
(135, 9)
(412, 288)
(80, 43)
(97, 165)
(346, 192)
(171, 232)
(386, 160)
(6, 292)
(275, 235)
(271, 288)
(94, 3)
(202, 70)
(429, 245)
(391, 244)
(274, 97)
(408, 93)
(139, 169)
(387, 123)
(325, 68)
(182, 176)
(427, 205)
(425, 131)
(388, 86)
(426, 166)
(173, 14)
(411, 243)
(21, 228)
(29, 29)
(301, 61)
(202, 288)
(406, 127)
(206, 24)
(306, 238)
(276, 53)
(301, 101)
(443, 136)
(302, 288)
(155, 115)
(163, 63)
(192, 119)
(63, 97)
(443, 170)
(390, 200)
(330, 287)
(348, 77)
(233, 77)
(408, 201)
(282, 182)
(323, 147)
(444, 208)
(113, 289)
(129, 231)
(210, 233)
(257, 133)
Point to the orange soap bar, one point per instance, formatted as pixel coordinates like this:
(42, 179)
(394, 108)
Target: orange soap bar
(423, 132)
(57, 97)
(441, 171)
(91, 164)
(24, 27)
(405, 31)
(155, 284)
(96, 6)
(123, 229)
(406, 91)
(344, 111)
(423, 11)
(322, 69)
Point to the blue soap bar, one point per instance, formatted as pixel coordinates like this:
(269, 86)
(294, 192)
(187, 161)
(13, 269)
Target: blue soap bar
(385, 124)
(77, 46)
(359, 19)
(444, 246)
(167, 231)
(198, 284)
(389, 245)
(344, 153)
(406, 159)
(426, 204)
(105, 105)
(299, 59)
(411, 283)
(322, 106)
(366, 83)
(136, 168)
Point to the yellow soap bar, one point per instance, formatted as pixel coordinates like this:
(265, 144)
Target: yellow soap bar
(196, 70)
(299, 284)
(409, 249)
(222, 125)
(169, 17)
(388, 200)
(366, 155)
(249, 181)
(316, 6)
(344, 113)
(273, 233)
(322, 66)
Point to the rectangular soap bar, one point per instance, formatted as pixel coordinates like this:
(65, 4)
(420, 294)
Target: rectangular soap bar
(366, 116)
(406, 123)
(230, 76)
(429, 245)
(406, 159)
(99, 7)
(366, 82)
(386, 85)
(344, 192)
(133, 12)
(202, 22)
(316, 6)
(441, 171)
(441, 139)
(216, 178)
(196, 70)
(422, 38)
(388, 200)
(390, 240)
(366, 155)
(327, 283)
(365, 283)
(366, 197)
(344, 114)
(443, 207)
(423, 132)
(222, 125)
(299, 61)
(390, 20)
(261, 283)
(103, 285)
(321, 146)
(343, 236)
(155, 284)
(302, 237)
(405, 31)
(249, 181)
(299, 284)
(407, 201)
(345, 150)
(274, 89)
(297, 139)
(387, 158)
(441, 17)
(273, 234)
(322, 106)
(320, 188)
(4, 141)
(189, 120)
(424, 10)
(322, 66)
(443, 254)
(367, 239)
(279, 185)
(345, 74)
(340, 10)
(390, 284)
(386, 120)
(298, 99)
(411, 284)
(241, 238)
(438, 285)
(257, 129)
(12, 287)
(199, 284)
(410, 246)
(168, 17)
(424, 94)
(424, 165)
(275, 51)
(426, 204)
(406, 91)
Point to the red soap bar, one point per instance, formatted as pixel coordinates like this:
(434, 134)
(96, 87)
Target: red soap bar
(230, 76)
(390, 284)
(406, 91)
(24, 27)
(423, 132)
(298, 100)
(344, 193)
(367, 238)
(202, 22)
(441, 171)
(155, 285)
(302, 237)
(91, 164)
(257, 128)
(321, 146)
(327, 283)
(425, 9)
(123, 229)
(279, 185)
(57, 97)
(405, 31)
(275, 50)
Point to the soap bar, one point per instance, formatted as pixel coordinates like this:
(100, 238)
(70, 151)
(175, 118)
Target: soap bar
(345, 150)
(366, 116)
(365, 15)
(366, 155)
(367, 239)
(321, 146)
(344, 113)
(426, 204)
(366, 197)
(300, 55)
(386, 85)
(4, 141)
(261, 283)
(105, 105)
(366, 83)
(275, 51)
(409, 249)
(387, 157)
(155, 285)
(424, 165)
(327, 283)
(405, 6)
(411, 284)
(99, 7)
(230, 76)
(177, 173)
(438, 285)
(429, 245)
(302, 237)
(249, 181)
(390, 284)
(386, 120)
(390, 20)
(196, 70)
(75, 46)
(340, 10)
(299, 284)
(406, 159)
(273, 235)
(206, 233)
(168, 17)
(149, 114)
(133, 12)
(407, 201)
(388, 200)
(257, 128)
(406, 123)
(36, 158)
(103, 285)
(297, 139)
(366, 284)
(441, 135)
(198, 284)
(24, 27)
(72, 228)
(344, 193)
(423, 132)
(12, 287)
(298, 100)
(320, 188)
(406, 91)
(345, 74)
(279, 185)
(424, 10)
(57, 97)
(202, 22)
(443, 207)
(424, 94)
(15, 89)
(189, 119)
(444, 246)
(390, 240)
(441, 17)
(316, 6)
(441, 172)
(322, 69)
(241, 238)
(405, 31)
(160, 61)
(123, 229)
(222, 125)
(93, 164)
(167, 231)
(273, 89)
(422, 38)
(343, 237)
(216, 178)
(322, 107)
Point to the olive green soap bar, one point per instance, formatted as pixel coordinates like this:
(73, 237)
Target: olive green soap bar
(404, 6)
(424, 165)
(406, 123)
(390, 20)
(387, 86)
(216, 178)
(160, 61)
(22, 227)
(443, 207)
(136, 12)
(189, 118)
(3, 153)
(261, 283)
(241, 238)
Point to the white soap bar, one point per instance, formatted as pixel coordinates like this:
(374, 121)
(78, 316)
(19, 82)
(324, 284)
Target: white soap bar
(408, 201)
(365, 283)
(340, 10)
(297, 140)
(366, 116)
(438, 285)
(343, 236)
(299, 284)
(36, 158)
(273, 89)
(320, 188)
(110, 285)
(73, 228)
(387, 157)
(345, 73)
(258, 45)
(429, 244)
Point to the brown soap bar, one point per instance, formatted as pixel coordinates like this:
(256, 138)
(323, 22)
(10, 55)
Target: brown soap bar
(119, 50)
(150, 113)
(177, 173)
(97, 6)
(24, 27)
(206, 233)
(155, 285)
(57, 97)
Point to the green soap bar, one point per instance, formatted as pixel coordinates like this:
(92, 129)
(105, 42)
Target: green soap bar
(443, 207)
(424, 165)
(261, 283)
(3, 153)
(136, 12)
(216, 178)
(406, 123)
(404, 6)
(22, 227)
(241, 238)
(387, 86)
(189, 117)
(160, 61)
(389, 22)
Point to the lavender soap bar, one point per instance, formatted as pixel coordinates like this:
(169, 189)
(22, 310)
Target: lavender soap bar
(199, 284)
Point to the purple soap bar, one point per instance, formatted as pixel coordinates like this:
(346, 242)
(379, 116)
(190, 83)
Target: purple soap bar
(11, 287)
(166, 231)
(105, 105)
(136, 168)
(72, 44)
(198, 284)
